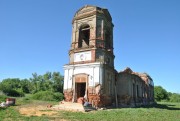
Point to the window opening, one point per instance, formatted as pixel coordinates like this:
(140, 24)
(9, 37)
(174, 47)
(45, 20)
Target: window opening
(84, 35)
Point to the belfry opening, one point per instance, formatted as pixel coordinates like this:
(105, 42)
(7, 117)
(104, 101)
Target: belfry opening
(84, 35)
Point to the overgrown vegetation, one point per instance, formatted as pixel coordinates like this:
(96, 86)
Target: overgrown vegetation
(160, 94)
(48, 96)
(48, 86)
(3, 98)
(174, 97)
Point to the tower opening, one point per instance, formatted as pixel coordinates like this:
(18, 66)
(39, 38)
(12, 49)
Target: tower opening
(84, 35)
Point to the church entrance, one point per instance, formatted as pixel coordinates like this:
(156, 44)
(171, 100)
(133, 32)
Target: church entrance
(80, 89)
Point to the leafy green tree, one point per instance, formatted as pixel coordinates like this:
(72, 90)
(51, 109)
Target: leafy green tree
(9, 84)
(47, 82)
(58, 82)
(47, 76)
(175, 97)
(12, 87)
(37, 82)
(26, 85)
(169, 94)
(34, 82)
(160, 93)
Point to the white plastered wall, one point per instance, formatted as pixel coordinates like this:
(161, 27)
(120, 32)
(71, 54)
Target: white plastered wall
(93, 70)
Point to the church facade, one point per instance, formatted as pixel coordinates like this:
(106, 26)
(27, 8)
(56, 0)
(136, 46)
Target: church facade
(90, 73)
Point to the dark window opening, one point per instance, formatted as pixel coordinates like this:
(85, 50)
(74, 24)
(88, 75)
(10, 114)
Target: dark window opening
(108, 41)
(84, 35)
(142, 92)
(134, 93)
(137, 91)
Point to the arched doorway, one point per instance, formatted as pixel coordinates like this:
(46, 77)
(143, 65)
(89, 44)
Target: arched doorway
(80, 89)
(80, 86)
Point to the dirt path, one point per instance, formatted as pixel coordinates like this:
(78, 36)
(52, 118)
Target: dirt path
(36, 110)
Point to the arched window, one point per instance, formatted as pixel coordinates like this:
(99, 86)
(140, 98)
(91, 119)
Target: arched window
(84, 35)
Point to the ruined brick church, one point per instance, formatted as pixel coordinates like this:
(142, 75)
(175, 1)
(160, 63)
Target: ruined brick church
(90, 73)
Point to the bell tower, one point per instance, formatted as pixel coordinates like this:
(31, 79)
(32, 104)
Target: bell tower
(90, 73)
(92, 32)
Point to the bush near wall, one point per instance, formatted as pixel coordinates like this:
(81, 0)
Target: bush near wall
(48, 96)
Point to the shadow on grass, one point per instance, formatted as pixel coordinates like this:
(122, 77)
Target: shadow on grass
(161, 106)
(2, 108)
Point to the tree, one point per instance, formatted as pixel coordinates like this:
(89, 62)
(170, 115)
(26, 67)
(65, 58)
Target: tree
(9, 84)
(47, 82)
(11, 87)
(34, 82)
(58, 82)
(175, 97)
(160, 93)
(26, 86)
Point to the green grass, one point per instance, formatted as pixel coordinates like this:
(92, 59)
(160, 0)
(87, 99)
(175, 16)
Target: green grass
(11, 114)
(163, 111)
(3, 98)
(158, 112)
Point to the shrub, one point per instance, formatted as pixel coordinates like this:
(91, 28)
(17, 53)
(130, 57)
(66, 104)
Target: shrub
(3, 98)
(47, 96)
(14, 93)
(175, 97)
(1, 93)
(165, 100)
(160, 93)
(59, 96)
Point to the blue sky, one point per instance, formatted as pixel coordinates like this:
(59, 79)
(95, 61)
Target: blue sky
(35, 36)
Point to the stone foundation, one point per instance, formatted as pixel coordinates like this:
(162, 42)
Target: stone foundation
(68, 95)
(129, 101)
(99, 100)
(95, 99)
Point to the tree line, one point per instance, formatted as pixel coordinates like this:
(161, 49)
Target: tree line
(16, 87)
(52, 83)
(160, 94)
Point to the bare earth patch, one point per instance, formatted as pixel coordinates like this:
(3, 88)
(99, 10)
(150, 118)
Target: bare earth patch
(34, 110)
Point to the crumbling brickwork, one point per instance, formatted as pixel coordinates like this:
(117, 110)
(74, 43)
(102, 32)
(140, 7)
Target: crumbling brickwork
(134, 88)
(90, 73)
